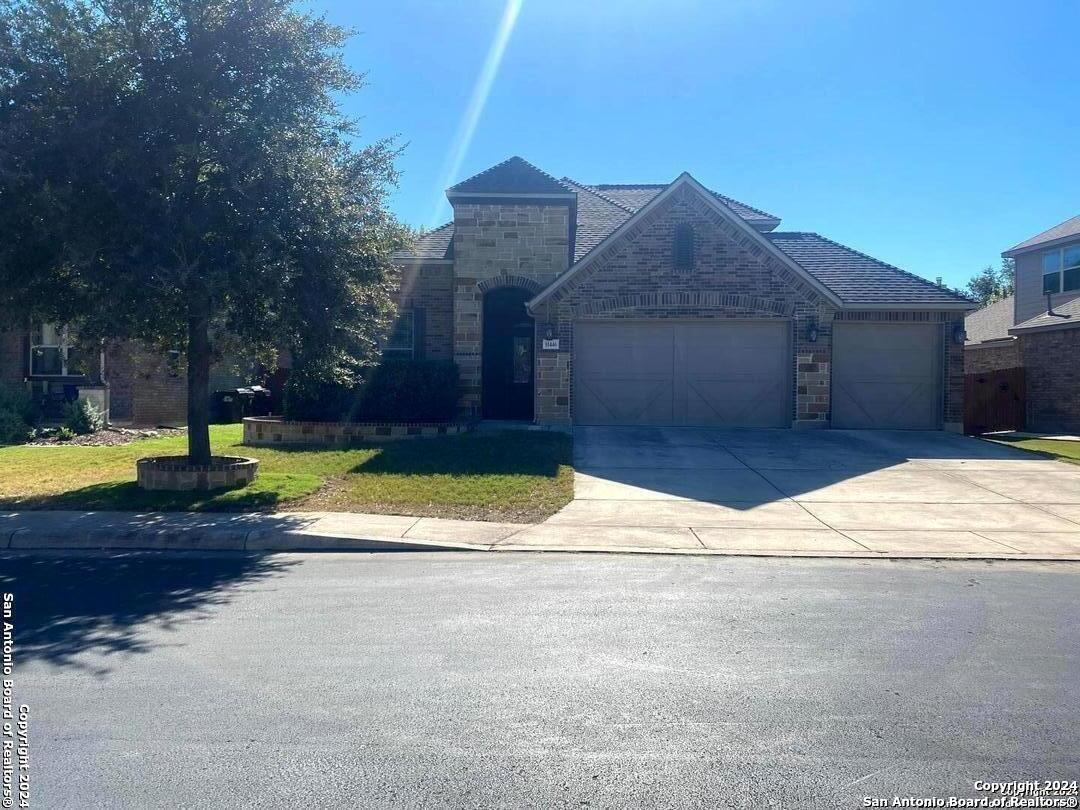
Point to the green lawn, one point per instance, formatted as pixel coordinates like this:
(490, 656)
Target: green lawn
(1062, 451)
(514, 475)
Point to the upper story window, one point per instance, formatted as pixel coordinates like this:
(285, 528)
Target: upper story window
(53, 352)
(1061, 269)
(402, 340)
(684, 247)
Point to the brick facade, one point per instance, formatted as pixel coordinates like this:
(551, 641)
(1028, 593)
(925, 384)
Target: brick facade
(145, 387)
(980, 359)
(732, 276)
(430, 288)
(1053, 380)
(526, 244)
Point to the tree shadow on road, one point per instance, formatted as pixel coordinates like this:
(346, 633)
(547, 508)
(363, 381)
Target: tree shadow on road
(76, 611)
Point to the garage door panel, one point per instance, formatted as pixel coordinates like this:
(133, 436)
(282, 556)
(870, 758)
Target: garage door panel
(682, 373)
(886, 376)
(739, 402)
(626, 401)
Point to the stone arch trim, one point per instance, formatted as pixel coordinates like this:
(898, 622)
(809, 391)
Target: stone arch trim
(506, 280)
(685, 300)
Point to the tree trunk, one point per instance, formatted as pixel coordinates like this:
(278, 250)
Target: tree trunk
(198, 379)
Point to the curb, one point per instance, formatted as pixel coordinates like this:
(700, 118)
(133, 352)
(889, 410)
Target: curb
(220, 540)
(280, 542)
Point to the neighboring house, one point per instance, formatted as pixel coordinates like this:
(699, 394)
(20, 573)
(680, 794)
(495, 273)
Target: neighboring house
(130, 383)
(1040, 332)
(989, 345)
(566, 303)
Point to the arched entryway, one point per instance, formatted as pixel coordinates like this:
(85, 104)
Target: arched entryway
(508, 356)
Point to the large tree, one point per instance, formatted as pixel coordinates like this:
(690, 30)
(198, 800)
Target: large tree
(178, 171)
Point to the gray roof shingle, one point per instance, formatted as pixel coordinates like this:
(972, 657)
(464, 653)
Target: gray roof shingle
(636, 196)
(1064, 316)
(992, 322)
(857, 278)
(435, 244)
(514, 175)
(601, 209)
(1070, 227)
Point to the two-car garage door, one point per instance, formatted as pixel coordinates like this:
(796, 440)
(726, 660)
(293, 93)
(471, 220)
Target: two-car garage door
(727, 373)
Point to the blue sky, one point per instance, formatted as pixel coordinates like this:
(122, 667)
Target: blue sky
(932, 135)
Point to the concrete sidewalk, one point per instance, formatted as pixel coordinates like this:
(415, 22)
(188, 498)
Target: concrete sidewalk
(336, 531)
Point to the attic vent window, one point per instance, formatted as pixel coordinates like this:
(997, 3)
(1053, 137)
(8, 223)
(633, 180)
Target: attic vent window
(684, 247)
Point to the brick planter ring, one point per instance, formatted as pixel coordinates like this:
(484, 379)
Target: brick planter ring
(176, 474)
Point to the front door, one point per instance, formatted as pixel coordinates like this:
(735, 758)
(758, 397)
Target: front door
(507, 355)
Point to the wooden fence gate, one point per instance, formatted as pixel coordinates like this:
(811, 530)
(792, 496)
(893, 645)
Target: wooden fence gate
(994, 400)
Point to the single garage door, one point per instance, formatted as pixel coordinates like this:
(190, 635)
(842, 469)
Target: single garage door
(886, 376)
(730, 373)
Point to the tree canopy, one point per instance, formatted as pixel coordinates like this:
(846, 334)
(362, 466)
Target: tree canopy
(990, 284)
(176, 170)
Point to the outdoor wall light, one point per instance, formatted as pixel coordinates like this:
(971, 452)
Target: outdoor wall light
(811, 330)
(959, 334)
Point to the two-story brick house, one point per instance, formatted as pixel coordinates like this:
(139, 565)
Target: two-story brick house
(566, 303)
(1036, 328)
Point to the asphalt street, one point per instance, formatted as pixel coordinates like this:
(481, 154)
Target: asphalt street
(473, 680)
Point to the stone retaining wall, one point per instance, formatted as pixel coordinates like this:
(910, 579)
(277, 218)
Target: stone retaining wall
(261, 431)
(176, 474)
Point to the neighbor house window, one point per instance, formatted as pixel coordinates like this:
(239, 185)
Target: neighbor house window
(402, 340)
(52, 352)
(684, 247)
(1052, 272)
(1070, 262)
(1061, 270)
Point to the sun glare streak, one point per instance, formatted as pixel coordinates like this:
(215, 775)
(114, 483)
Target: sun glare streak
(477, 102)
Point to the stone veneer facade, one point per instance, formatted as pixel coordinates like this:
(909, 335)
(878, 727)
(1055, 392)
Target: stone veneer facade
(733, 276)
(519, 243)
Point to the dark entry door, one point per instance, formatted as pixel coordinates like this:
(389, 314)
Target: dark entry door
(507, 355)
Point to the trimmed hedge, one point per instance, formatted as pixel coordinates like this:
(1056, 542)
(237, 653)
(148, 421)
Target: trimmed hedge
(395, 390)
(18, 414)
(408, 391)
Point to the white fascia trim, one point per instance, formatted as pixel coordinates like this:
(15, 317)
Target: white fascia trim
(455, 195)
(719, 207)
(417, 260)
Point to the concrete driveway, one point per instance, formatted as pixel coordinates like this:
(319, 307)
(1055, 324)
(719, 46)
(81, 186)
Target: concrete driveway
(813, 492)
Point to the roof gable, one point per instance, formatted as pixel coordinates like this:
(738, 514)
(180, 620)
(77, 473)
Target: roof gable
(637, 195)
(514, 176)
(713, 201)
(1068, 229)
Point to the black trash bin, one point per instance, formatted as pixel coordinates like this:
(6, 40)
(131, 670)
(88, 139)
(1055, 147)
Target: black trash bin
(261, 402)
(228, 405)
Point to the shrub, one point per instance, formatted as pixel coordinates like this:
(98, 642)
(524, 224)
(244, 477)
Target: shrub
(408, 391)
(309, 397)
(395, 390)
(64, 433)
(83, 417)
(18, 414)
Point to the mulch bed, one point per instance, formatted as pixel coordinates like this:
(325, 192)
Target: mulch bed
(112, 436)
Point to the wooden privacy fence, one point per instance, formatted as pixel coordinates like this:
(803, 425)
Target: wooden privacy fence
(994, 400)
